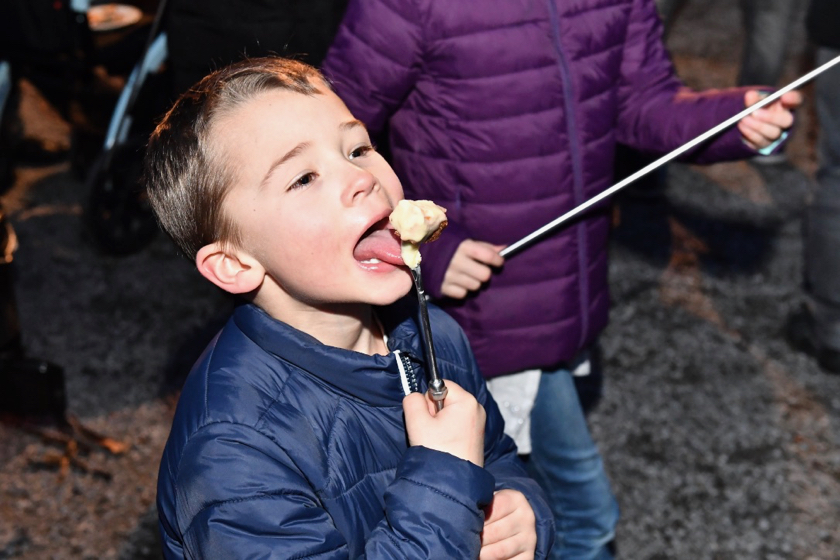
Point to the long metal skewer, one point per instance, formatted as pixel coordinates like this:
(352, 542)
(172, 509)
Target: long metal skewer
(437, 389)
(514, 247)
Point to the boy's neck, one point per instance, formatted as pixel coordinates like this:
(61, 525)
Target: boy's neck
(351, 327)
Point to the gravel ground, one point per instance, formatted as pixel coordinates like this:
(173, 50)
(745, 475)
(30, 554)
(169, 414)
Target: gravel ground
(720, 441)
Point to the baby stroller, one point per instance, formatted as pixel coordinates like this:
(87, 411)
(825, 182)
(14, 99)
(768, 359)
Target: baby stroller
(118, 214)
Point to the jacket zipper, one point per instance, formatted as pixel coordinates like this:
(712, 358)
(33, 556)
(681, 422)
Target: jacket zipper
(407, 375)
(571, 129)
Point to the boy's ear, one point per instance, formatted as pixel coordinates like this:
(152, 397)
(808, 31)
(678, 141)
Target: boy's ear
(233, 271)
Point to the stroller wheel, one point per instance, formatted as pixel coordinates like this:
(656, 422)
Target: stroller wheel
(119, 216)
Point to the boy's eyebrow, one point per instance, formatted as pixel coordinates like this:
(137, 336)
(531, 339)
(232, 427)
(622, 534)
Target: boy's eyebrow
(286, 157)
(349, 125)
(352, 124)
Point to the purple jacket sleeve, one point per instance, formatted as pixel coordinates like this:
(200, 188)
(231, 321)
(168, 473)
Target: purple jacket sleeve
(386, 35)
(657, 113)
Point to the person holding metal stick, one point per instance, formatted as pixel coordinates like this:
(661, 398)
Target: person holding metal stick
(305, 429)
(814, 327)
(508, 115)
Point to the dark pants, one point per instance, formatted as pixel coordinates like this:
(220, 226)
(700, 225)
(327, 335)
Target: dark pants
(822, 230)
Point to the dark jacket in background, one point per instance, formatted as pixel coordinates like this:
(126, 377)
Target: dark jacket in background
(204, 35)
(823, 23)
(35, 28)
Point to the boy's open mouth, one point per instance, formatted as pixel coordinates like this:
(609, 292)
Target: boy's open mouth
(378, 244)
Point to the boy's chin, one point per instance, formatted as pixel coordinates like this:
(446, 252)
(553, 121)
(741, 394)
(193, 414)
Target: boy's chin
(392, 293)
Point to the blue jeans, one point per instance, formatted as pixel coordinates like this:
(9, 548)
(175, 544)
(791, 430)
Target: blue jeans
(566, 464)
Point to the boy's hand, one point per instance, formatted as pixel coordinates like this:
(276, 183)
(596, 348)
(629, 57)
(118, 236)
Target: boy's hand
(470, 267)
(458, 429)
(510, 529)
(766, 125)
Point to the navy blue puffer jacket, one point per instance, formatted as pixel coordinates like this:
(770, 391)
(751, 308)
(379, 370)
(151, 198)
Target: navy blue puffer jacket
(283, 447)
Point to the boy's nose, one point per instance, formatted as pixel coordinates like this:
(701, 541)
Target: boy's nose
(360, 183)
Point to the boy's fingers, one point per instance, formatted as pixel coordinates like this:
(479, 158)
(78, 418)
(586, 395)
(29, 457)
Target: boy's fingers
(508, 549)
(497, 550)
(419, 405)
(493, 533)
(504, 503)
(415, 406)
(455, 393)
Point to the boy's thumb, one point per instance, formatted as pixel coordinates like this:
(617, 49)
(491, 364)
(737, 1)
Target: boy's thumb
(414, 406)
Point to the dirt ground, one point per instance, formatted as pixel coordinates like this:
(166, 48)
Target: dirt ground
(721, 442)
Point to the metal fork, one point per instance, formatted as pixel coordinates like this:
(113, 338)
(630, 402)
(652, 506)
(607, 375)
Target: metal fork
(437, 389)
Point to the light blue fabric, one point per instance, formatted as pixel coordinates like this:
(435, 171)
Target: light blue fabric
(80, 6)
(566, 463)
(767, 150)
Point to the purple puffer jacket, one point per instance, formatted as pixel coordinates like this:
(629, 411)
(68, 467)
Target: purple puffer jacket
(507, 113)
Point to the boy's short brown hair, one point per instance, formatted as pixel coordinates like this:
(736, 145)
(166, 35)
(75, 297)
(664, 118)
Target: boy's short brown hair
(186, 180)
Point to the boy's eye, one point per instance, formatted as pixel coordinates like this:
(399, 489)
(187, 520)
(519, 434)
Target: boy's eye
(303, 181)
(361, 151)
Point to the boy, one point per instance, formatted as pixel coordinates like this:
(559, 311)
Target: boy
(289, 439)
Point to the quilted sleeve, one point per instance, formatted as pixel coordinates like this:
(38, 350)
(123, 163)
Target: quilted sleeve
(657, 113)
(375, 58)
(239, 495)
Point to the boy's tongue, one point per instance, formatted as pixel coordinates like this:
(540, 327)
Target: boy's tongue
(380, 244)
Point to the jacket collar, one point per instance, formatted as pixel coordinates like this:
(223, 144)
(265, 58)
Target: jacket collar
(373, 379)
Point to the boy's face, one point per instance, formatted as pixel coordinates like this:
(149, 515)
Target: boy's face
(312, 199)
